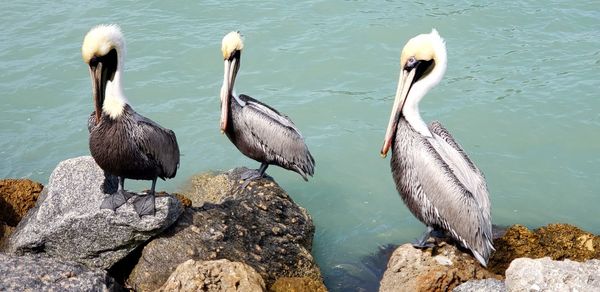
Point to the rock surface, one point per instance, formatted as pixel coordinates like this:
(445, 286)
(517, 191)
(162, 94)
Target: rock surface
(485, 285)
(439, 269)
(298, 284)
(218, 275)
(68, 223)
(37, 273)
(260, 226)
(17, 196)
(545, 274)
(558, 241)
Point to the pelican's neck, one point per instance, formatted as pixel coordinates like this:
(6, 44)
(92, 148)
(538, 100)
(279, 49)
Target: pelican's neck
(417, 92)
(114, 99)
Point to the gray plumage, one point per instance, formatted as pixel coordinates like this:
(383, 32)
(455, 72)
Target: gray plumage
(133, 146)
(442, 187)
(263, 134)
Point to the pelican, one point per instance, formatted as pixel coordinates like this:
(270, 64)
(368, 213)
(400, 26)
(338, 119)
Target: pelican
(259, 131)
(437, 181)
(123, 142)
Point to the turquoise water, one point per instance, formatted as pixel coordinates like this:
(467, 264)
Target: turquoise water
(520, 94)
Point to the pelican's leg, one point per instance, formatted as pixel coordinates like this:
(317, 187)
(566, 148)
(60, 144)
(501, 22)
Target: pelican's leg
(117, 199)
(144, 205)
(422, 242)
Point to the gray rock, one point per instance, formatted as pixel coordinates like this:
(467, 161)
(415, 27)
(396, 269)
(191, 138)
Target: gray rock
(260, 226)
(441, 268)
(67, 221)
(485, 285)
(37, 273)
(219, 275)
(545, 274)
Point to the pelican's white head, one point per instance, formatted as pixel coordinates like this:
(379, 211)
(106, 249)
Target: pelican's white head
(429, 50)
(231, 47)
(103, 50)
(231, 43)
(423, 63)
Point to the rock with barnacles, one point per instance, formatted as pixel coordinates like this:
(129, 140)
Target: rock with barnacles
(260, 226)
(67, 221)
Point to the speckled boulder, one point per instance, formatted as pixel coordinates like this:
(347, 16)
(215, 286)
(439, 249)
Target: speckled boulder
(545, 274)
(37, 273)
(260, 226)
(68, 223)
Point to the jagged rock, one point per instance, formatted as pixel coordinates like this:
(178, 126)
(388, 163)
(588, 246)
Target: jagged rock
(17, 196)
(219, 275)
(558, 241)
(260, 226)
(439, 269)
(297, 284)
(485, 285)
(37, 273)
(545, 274)
(68, 223)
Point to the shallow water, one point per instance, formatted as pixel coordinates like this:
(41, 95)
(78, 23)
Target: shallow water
(520, 94)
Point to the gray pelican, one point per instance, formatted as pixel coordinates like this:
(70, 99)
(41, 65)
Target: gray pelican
(259, 131)
(123, 142)
(437, 181)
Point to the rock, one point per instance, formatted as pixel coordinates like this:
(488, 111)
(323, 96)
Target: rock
(68, 223)
(17, 196)
(219, 275)
(485, 285)
(183, 200)
(439, 269)
(37, 273)
(260, 226)
(558, 241)
(209, 187)
(297, 284)
(545, 274)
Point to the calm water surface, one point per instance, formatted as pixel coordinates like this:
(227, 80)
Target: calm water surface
(520, 94)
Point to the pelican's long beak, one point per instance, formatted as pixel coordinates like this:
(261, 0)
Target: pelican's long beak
(99, 75)
(230, 70)
(404, 84)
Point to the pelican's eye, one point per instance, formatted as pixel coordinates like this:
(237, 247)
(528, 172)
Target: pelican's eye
(411, 63)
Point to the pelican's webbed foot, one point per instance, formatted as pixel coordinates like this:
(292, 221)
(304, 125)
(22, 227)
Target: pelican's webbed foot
(253, 174)
(144, 205)
(422, 241)
(115, 200)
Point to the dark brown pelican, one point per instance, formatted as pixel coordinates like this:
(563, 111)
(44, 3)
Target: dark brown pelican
(438, 182)
(256, 129)
(123, 142)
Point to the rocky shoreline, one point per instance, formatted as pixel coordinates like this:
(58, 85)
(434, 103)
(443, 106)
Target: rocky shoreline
(217, 236)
